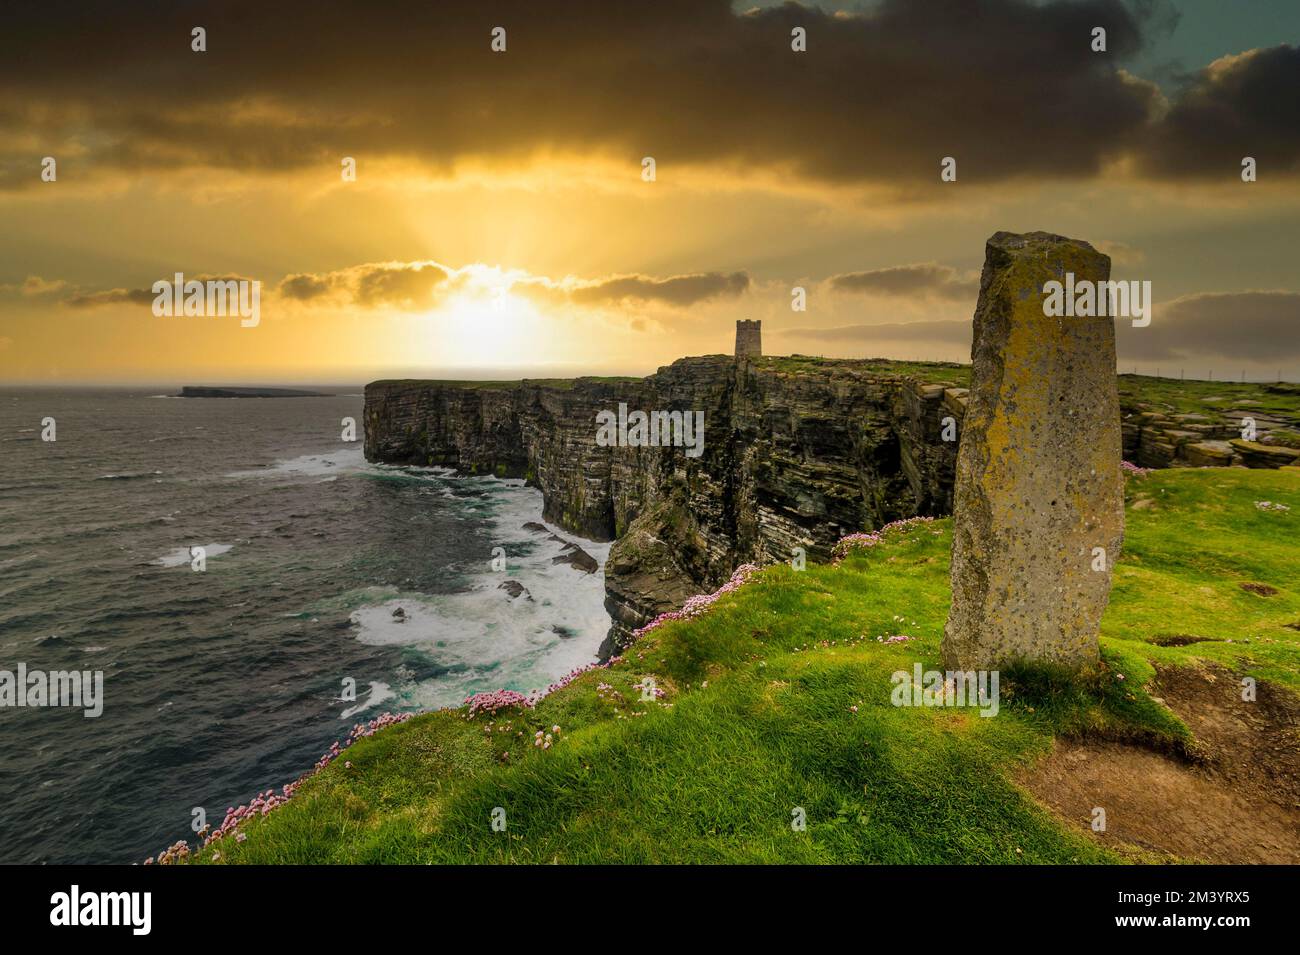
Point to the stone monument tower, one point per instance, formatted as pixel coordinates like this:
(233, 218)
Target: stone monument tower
(749, 339)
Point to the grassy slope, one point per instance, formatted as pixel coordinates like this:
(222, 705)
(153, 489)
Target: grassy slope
(712, 772)
(1171, 395)
(1211, 398)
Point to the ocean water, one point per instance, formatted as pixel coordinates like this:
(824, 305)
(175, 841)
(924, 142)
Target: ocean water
(228, 681)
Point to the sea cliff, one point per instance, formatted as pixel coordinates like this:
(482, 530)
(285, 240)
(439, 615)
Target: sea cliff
(797, 453)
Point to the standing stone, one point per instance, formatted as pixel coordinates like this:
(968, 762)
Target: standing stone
(1038, 468)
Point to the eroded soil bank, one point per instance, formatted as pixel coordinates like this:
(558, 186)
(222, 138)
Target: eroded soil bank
(1235, 800)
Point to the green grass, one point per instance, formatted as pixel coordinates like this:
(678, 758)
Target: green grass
(757, 718)
(1210, 398)
(1188, 551)
(937, 372)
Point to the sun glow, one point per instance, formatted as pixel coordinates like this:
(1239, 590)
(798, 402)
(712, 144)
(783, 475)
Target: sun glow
(484, 323)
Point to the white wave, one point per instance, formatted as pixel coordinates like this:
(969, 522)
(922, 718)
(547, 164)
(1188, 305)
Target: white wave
(343, 460)
(486, 638)
(430, 471)
(352, 460)
(181, 555)
(378, 693)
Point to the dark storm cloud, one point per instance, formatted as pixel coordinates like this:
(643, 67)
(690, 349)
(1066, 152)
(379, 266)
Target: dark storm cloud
(1247, 105)
(416, 284)
(675, 290)
(913, 281)
(1248, 326)
(404, 286)
(97, 298)
(304, 288)
(939, 333)
(1010, 88)
(113, 296)
(421, 284)
(1252, 326)
(35, 287)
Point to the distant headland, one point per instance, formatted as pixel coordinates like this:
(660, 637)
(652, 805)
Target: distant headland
(201, 391)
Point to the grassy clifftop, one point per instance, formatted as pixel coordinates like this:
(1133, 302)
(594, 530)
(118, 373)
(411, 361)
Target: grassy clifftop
(776, 702)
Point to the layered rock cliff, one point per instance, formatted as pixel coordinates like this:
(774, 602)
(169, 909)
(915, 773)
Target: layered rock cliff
(1155, 437)
(796, 454)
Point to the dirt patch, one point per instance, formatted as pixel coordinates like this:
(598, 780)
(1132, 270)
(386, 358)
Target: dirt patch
(1236, 801)
(1252, 746)
(1263, 590)
(1181, 640)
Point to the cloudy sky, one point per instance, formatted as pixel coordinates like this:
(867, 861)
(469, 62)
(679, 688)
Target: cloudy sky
(500, 223)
